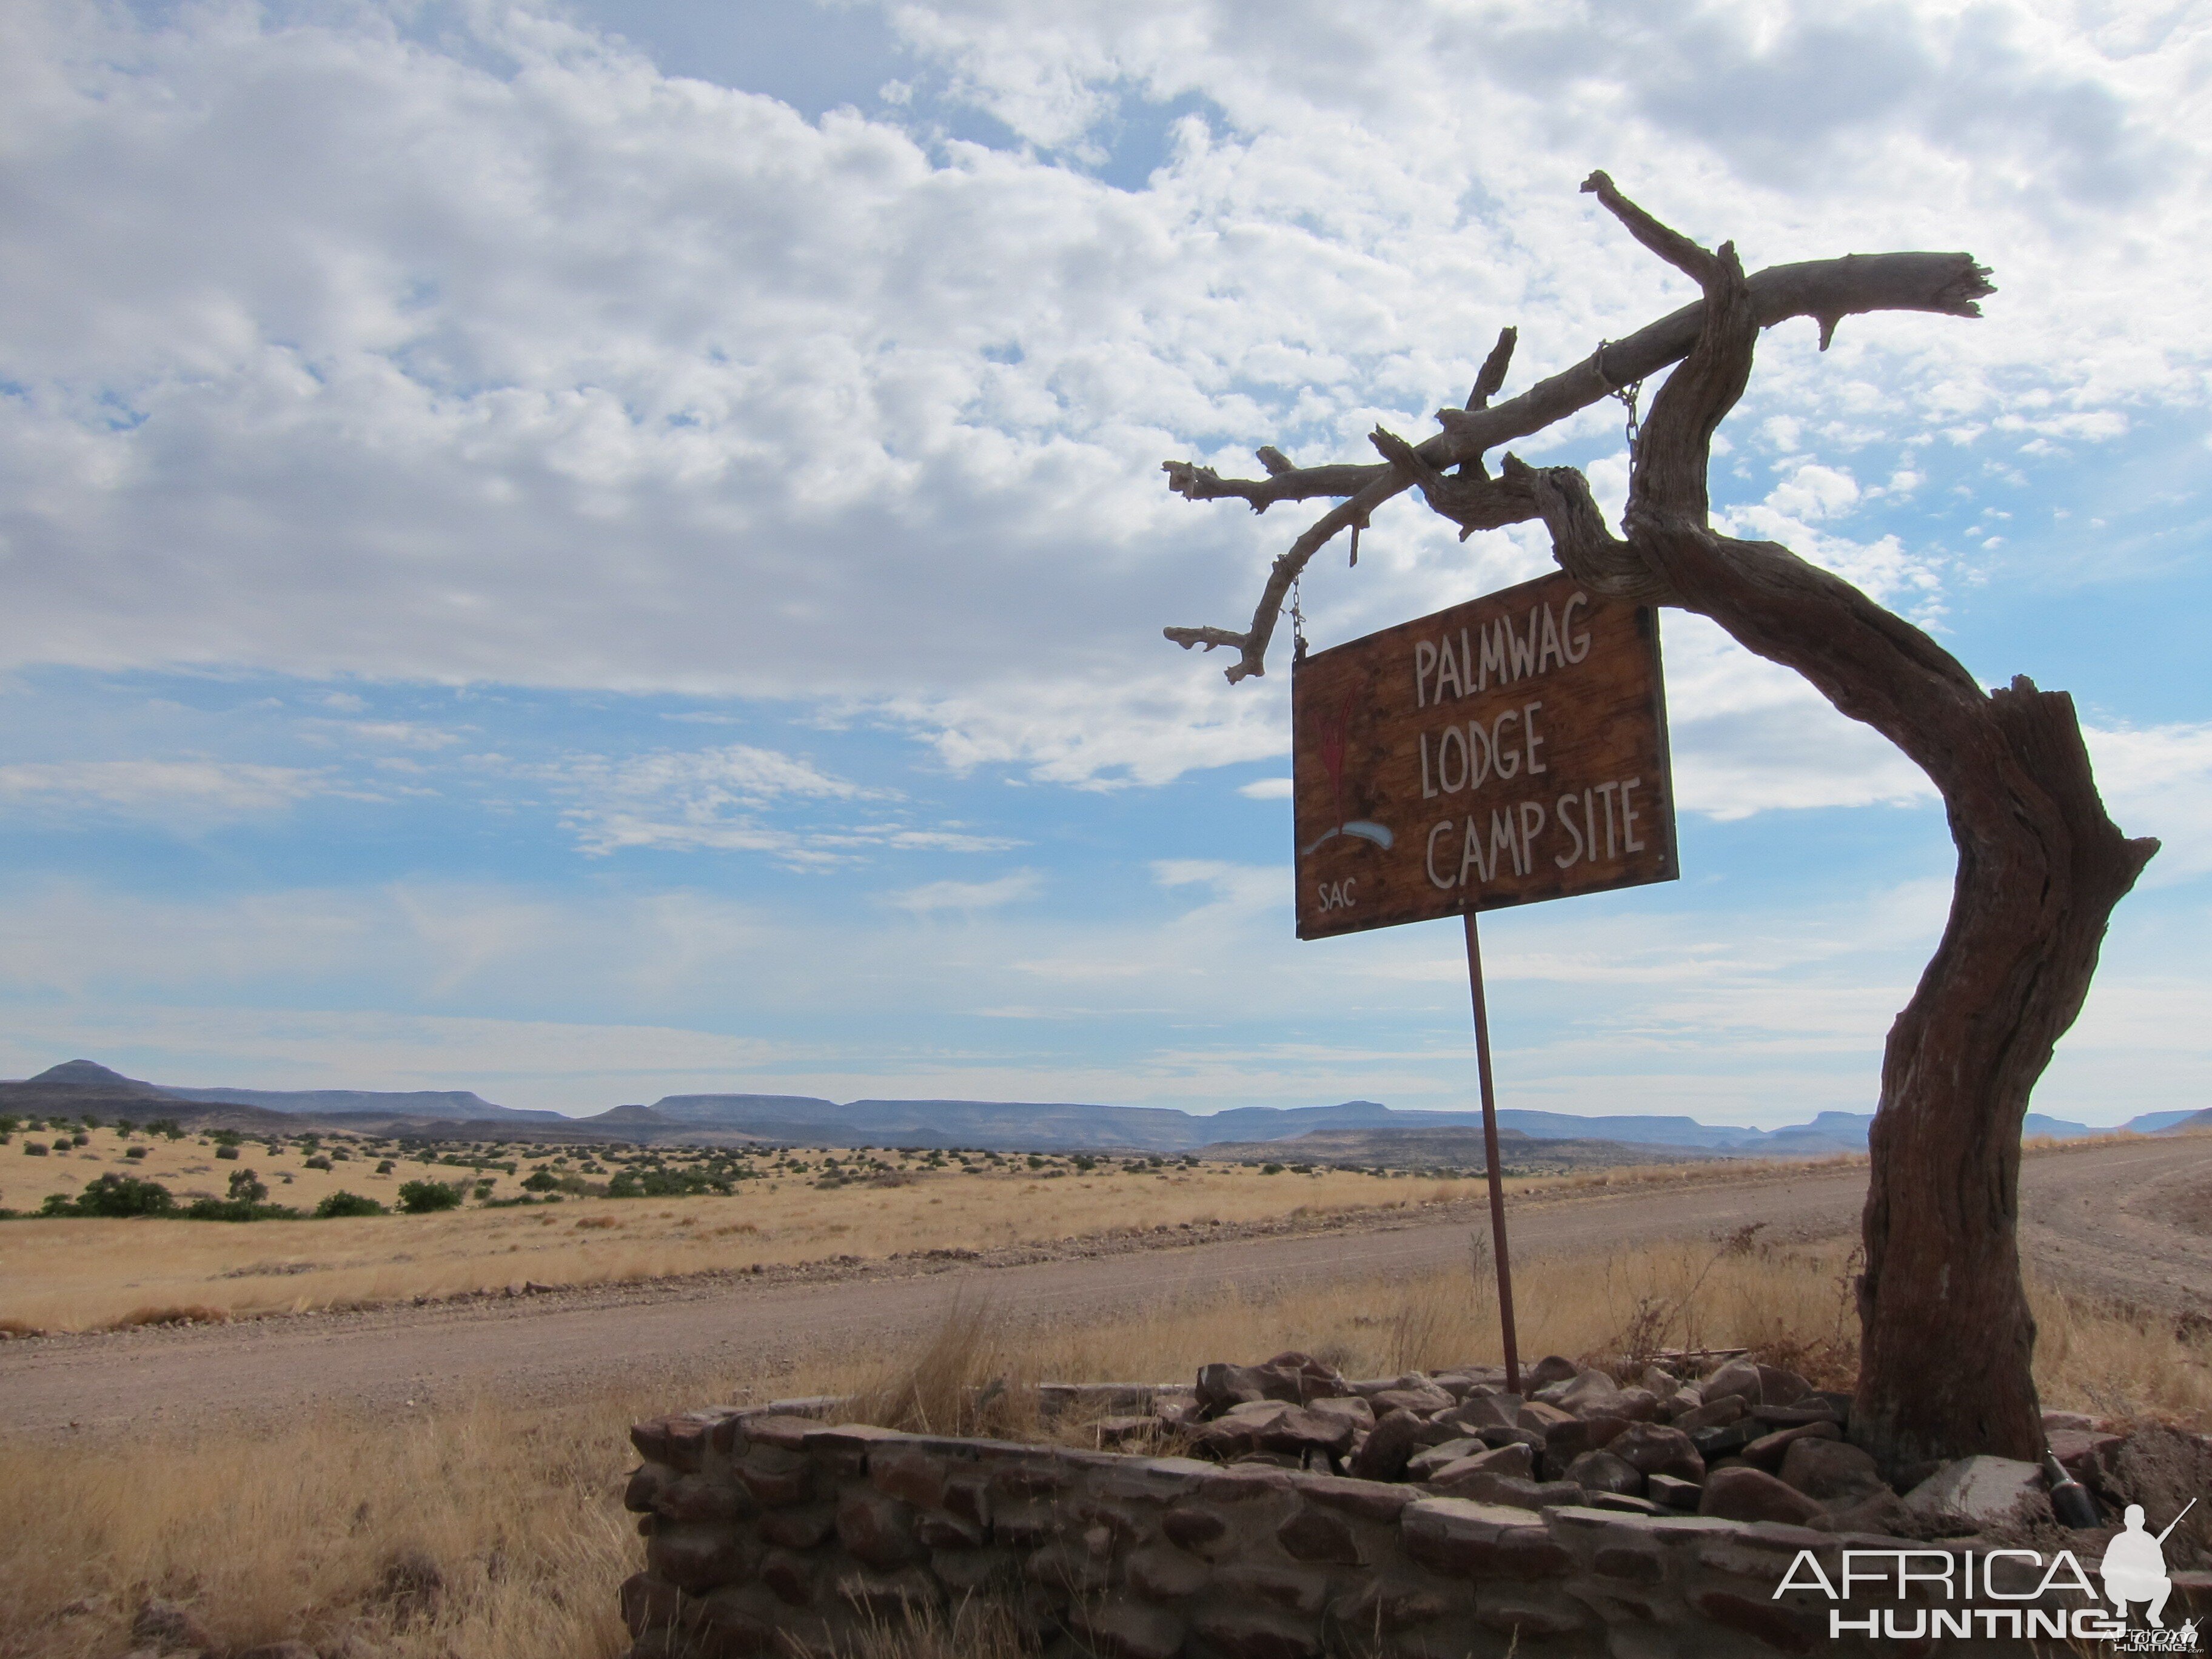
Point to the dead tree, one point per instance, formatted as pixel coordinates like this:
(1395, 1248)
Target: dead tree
(1947, 1338)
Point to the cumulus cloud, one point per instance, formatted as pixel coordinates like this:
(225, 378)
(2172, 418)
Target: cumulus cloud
(537, 365)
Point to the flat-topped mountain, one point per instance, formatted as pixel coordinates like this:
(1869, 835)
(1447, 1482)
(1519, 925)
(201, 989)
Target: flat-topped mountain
(81, 1086)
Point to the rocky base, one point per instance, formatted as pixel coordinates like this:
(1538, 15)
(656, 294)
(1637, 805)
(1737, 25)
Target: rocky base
(1431, 1517)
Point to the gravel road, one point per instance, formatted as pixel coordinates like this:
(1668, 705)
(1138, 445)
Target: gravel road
(2121, 1219)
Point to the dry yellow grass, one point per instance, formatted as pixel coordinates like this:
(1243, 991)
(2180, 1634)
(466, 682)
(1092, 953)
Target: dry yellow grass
(290, 1530)
(83, 1274)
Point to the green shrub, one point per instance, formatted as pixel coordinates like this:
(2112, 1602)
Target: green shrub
(226, 1152)
(421, 1197)
(113, 1195)
(341, 1204)
(165, 1126)
(237, 1209)
(134, 1151)
(318, 1163)
(80, 1139)
(246, 1187)
(1271, 1168)
(543, 1181)
(384, 1168)
(34, 1149)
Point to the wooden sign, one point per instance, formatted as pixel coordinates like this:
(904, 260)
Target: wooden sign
(1507, 749)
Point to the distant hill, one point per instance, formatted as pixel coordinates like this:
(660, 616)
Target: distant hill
(458, 1103)
(1456, 1149)
(81, 1086)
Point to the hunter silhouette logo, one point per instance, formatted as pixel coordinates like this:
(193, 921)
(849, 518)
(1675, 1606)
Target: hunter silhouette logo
(2135, 1566)
(1330, 734)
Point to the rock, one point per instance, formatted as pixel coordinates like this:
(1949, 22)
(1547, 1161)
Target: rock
(1424, 1464)
(1660, 1382)
(1673, 1493)
(1977, 1493)
(1465, 1540)
(1497, 1437)
(1537, 1415)
(1241, 1633)
(1272, 1427)
(1737, 1377)
(1383, 1455)
(1165, 1575)
(1489, 1411)
(1779, 1387)
(1351, 1407)
(1726, 1441)
(2060, 1422)
(1682, 1400)
(1714, 1414)
(1830, 1471)
(1653, 1449)
(1315, 1534)
(1881, 1512)
(1749, 1494)
(167, 1626)
(1769, 1449)
(1128, 1629)
(274, 1650)
(1622, 1502)
(1515, 1459)
(1570, 1440)
(1548, 1370)
(1636, 1404)
(1514, 1492)
(1423, 1400)
(1591, 1393)
(876, 1529)
(1601, 1472)
(697, 1556)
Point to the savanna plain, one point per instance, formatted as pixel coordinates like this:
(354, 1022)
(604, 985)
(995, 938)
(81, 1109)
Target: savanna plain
(488, 1527)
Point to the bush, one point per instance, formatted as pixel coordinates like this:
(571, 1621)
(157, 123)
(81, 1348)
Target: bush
(237, 1209)
(543, 1181)
(34, 1149)
(421, 1197)
(134, 1151)
(318, 1163)
(385, 1168)
(341, 1204)
(246, 1187)
(226, 1152)
(114, 1195)
(80, 1139)
(166, 1128)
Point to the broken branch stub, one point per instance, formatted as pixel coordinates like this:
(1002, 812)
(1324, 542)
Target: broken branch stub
(1947, 1338)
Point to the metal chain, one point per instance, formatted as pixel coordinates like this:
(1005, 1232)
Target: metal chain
(1297, 624)
(1625, 396)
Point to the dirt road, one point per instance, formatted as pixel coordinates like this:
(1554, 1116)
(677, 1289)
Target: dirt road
(2121, 1219)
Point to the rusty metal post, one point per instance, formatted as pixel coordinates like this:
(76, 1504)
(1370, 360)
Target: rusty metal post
(1490, 1157)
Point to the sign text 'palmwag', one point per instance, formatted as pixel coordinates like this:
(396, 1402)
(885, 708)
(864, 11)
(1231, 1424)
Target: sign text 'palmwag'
(1507, 749)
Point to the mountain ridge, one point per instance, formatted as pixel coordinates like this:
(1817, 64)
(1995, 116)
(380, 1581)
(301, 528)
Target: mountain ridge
(78, 1085)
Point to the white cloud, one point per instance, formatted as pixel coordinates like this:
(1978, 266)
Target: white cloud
(970, 896)
(1266, 789)
(197, 791)
(533, 365)
(2157, 781)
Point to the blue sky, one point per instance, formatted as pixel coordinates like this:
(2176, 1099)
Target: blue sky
(592, 551)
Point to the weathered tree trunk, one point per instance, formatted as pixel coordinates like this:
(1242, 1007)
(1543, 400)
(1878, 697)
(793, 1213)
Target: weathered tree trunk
(1947, 1338)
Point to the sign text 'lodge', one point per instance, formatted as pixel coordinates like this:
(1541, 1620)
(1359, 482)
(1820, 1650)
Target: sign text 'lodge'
(1507, 749)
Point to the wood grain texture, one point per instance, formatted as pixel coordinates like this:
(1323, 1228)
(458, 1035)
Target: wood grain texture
(1512, 749)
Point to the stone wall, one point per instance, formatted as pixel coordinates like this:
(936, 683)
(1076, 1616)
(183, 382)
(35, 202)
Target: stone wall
(769, 1532)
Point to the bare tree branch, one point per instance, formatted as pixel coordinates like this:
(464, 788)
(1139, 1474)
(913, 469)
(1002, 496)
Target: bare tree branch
(1948, 283)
